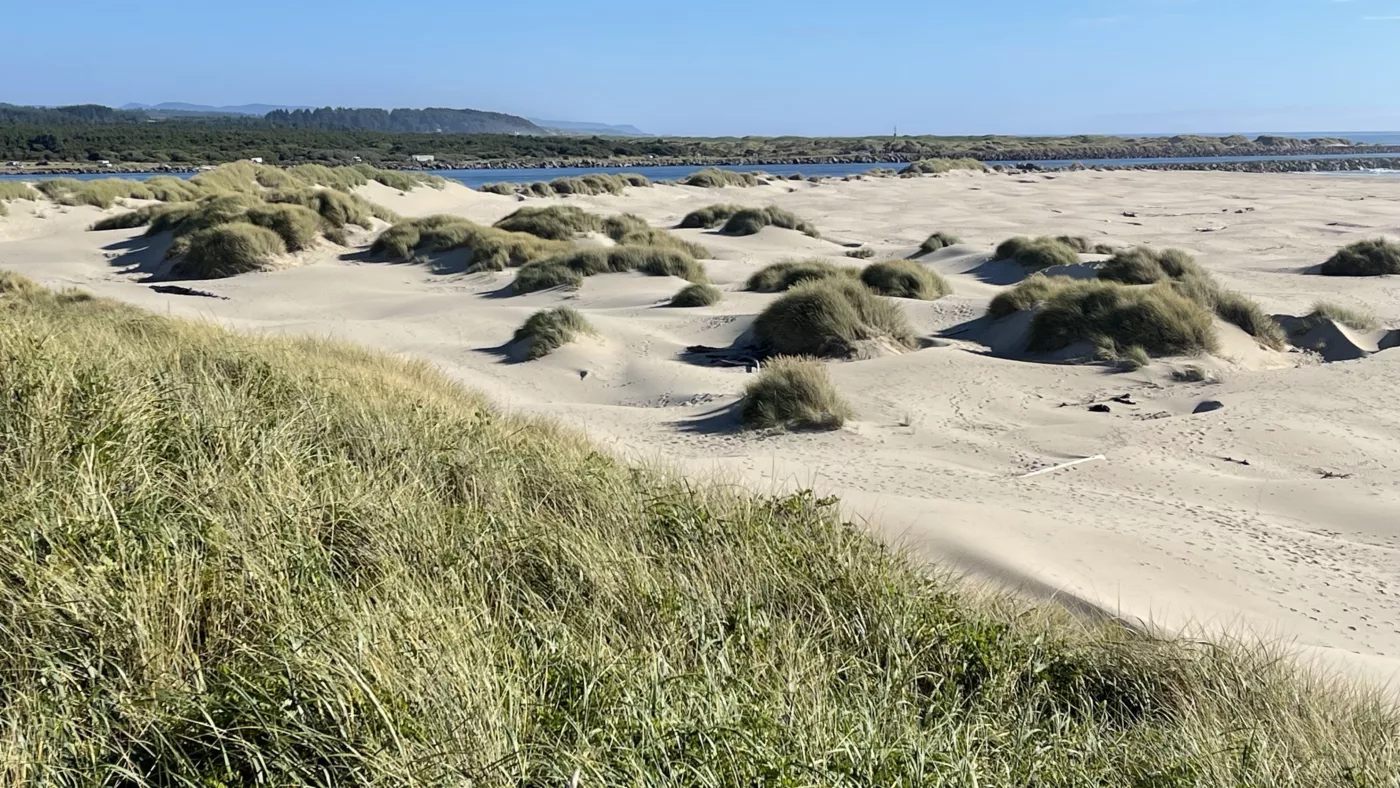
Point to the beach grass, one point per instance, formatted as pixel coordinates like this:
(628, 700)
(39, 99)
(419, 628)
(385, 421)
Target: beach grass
(784, 275)
(696, 295)
(793, 394)
(238, 561)
(834, 317)
(940, 166)
(709, 217)
(228, 250)
(548, 330)
(1036, 254)
(748, 221)
(1374, 257)
(715, 178)
(905, 279)
(938, 240)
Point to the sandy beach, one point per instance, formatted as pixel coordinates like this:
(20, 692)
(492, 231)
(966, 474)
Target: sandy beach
(1277, 514)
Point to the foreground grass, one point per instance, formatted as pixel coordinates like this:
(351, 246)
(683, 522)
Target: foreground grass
(233, 561)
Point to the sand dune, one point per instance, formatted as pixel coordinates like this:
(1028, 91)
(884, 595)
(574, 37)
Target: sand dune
(1277, 513)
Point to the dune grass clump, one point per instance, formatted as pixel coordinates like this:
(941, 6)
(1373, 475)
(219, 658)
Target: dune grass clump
(1036, 253)
(553, 222)
(1083, 245)
(1027, 294)
(228, 250)
(632, 230)
(905, 279)
(1375, 257)
(696, 295)
(1143, 265)
(636, 179)
(103, 193)
(836, 317)
(548, 330)
(780, 276)
(167, 188)
(238, 561)
(939, 240)
(401, 180)
(709, 217)
(15, 190)
(541, 189)
(1111, 315)
(715, 178)
(487, 248)
(940, 166)
(504, 189)
(591, 184)
(238, 176)
(337, 208)
(1356, 319)
(863, 253)
(748, 221)
(296, 225)
(569, 268)
(793, 394)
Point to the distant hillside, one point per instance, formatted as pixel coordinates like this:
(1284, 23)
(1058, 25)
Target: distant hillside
(206, 109)
(64, 116)
(603, 129)
(433, 120)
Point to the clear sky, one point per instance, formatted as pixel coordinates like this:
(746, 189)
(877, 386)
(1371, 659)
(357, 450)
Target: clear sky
(815, 67)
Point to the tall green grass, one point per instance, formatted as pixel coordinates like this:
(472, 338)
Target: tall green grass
(15, 190)
(236, 561)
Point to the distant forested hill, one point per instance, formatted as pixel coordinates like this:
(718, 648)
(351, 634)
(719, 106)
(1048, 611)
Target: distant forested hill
(433, 120)
(64, 116)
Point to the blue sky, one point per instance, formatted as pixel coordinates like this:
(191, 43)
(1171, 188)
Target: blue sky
(741, 66)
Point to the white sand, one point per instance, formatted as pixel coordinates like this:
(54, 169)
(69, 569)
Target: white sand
(1172, 528)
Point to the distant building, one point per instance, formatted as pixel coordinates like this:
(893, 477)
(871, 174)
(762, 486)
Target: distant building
(357, 158)
(423, 158)
(256, 160)
(14, 164)
(104, 163)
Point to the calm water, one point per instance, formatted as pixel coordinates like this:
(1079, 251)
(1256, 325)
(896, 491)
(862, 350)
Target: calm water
(475, 178)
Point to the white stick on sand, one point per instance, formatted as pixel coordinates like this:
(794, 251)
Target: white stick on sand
(1061, 466)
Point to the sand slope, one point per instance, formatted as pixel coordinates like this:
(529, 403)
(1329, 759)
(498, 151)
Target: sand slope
(1278, 513)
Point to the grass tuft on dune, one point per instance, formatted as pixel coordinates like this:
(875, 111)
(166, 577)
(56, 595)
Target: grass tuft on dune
(748, 221)
(905, 279)
(245, 561)
(832, 317)
(940, 166)
(784, 275)
(793, 394)
(696, 295)
(548, 330)
(715, 178)
(1036, 254)
(1374, 257)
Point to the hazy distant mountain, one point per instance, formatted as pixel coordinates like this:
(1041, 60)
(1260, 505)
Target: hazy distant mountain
(576, 127)
(241, 109)
(432, 120)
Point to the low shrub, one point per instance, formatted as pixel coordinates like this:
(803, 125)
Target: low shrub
(1376, 257)
(696, 295)
(940, 166)
(777, 277)
(714, 178)
(939, 240)
(905, 279)
(548, 330)
(748, 221)
(794, 394)
(228, 250)
(709, 217)
(831, 318)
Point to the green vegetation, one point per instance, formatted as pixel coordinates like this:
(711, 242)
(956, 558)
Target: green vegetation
(696, 295)
(1142, 266)
(709, 217)
(630, 230)
(238, 561)
(548, 330)
(297, 226)
(713, 178)
(748, 221)
(794, 394)
(863, 253)
(102, 193)
(569, 268)
(1344, 315)
(940, 166)
(1083, 245)
(554, 222)
(835, 317)
(905, 279)
(15, 190)
(1109, 315)
(337, 208)
(228, 250)
(1036, 254)
(1193, 373)
(506, 189)
(487, 248)
(594, 183)
(939, 240)
(777, 277)
(1375, 257)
